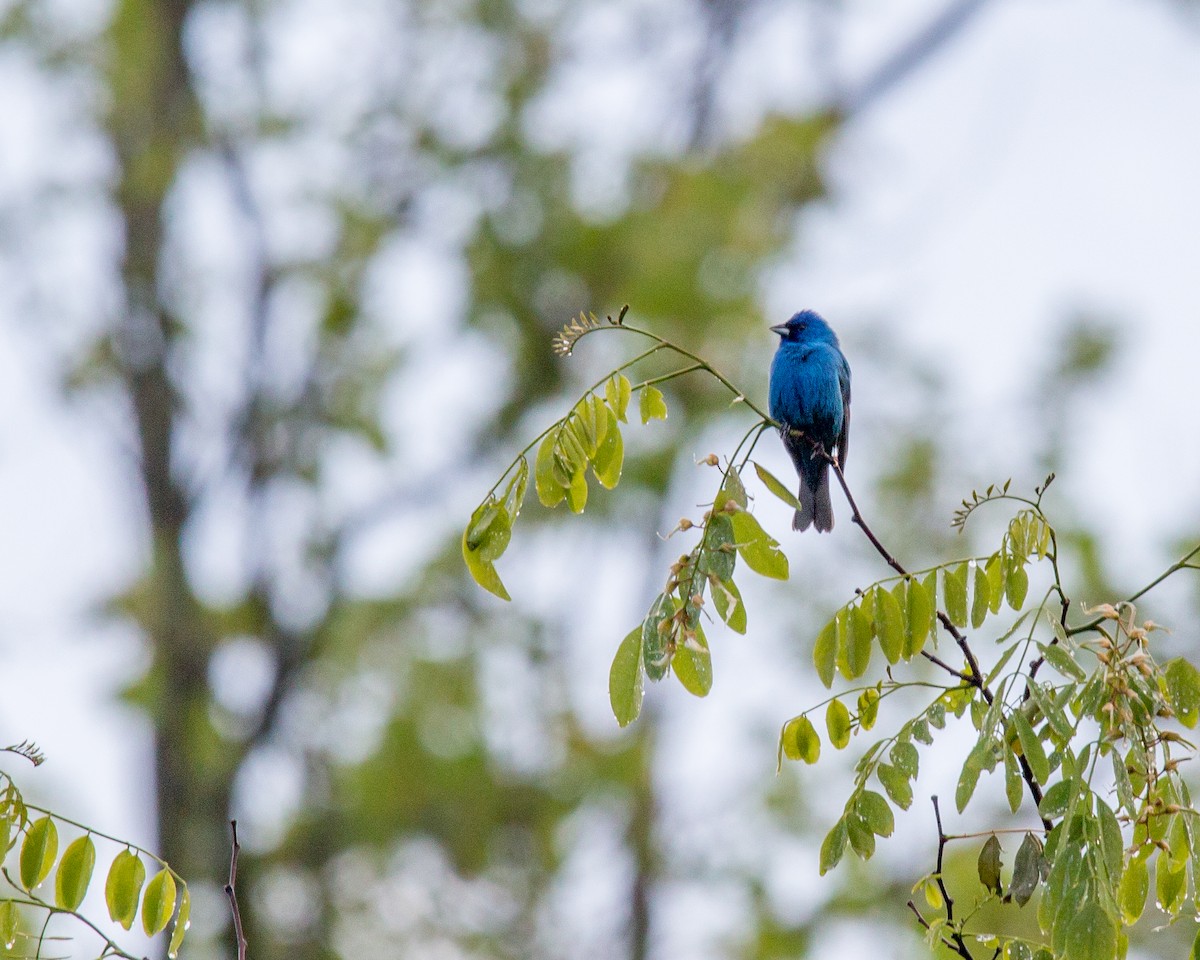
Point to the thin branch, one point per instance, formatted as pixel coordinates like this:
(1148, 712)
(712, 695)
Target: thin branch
(960, 945)
(1063, 599)
(1183, 564)
(925, 923)
(974, 675)
(912, 54)
(661, 343)
(231, 893)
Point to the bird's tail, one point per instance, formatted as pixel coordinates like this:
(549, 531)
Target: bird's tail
(815, 506)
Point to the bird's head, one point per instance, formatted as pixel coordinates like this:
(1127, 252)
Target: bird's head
(807, 326)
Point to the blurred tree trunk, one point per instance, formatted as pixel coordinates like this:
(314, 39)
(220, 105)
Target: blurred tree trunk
(154, 122)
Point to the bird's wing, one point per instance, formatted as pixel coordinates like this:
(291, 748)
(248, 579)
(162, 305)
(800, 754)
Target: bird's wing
(843, 441)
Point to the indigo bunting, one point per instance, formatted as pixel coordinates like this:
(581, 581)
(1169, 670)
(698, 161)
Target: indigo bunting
(810, 393)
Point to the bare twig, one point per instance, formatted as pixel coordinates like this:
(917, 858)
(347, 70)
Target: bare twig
(975, 676)
(1184, 564)
(231, 893)
(925, 923)
(959, 945)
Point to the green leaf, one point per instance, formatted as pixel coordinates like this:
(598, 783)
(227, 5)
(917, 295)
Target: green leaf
(988, 864)
(954, 591)
(936, 715)
(862, 840)
(545, 474)
(1019, 950)
(652, 405)
(837, 722)
(158, 902)
(858, 643)
(38, 852)
(75, 872)
(1031, 747)
(602, 418)
(825, 653)
(1001, 664)
(889, 623)
(1091, 934)
(1123, 784)
(1133, 890)
(919, 613)
(1169, 886)
(930, 583)
(485, 539)
(626, 685)
(655, 633)
(573, 446)
(979, 603)
(1178, 843)
(868, 708)
(730, 608)
(514, 493)
(123, 887)
(719, 556)
(1027, 870)
(183, 920)
(968, 778)
(585, 428)
(1014, 786)
(994, 570)
(1016, 584)
(1016, 537)
(610, 454)
(617, 392)
(489, 531)
(772, 483)
(833, 846)
(693, 664)
(760, 551)
(1183, 690)
(874, 810)
(577, 492)
(906, 758)
(896, 784)
(1055, 717)
(483, 571)
(1062, 661)
(9, 924)
(800, 740)
(1112, 845)
(1056, 799)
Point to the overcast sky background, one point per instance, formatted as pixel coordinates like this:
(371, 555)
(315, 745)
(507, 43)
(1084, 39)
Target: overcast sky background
(1044, 162)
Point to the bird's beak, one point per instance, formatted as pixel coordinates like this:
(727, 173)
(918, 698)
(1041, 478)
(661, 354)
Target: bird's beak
(780, 328)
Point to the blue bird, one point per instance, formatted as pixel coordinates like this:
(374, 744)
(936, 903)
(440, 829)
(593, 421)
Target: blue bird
(810, 399)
